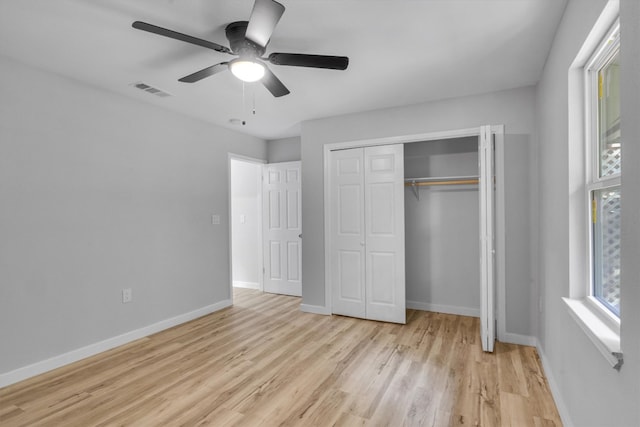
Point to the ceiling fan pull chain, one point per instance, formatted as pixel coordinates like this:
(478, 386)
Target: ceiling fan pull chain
(253, 93)
(244, 104)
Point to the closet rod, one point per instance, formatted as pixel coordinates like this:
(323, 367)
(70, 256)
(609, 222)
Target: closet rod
(452, 182)
(448, 180)
(440, 178)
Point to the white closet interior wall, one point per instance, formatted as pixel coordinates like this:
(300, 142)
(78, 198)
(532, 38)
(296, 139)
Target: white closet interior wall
(442, 228)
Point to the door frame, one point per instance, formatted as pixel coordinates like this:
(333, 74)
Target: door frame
(261, 163)
(499, 297)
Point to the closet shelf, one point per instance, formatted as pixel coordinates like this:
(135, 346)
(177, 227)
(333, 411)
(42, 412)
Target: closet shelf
(414, 183)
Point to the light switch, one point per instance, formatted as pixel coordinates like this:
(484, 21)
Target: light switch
(243, 219)
(215, 219)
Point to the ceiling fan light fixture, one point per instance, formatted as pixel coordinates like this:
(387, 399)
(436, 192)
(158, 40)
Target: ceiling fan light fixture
(248, 41)
(247, 70)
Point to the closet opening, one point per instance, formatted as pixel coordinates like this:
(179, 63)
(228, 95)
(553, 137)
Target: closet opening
(442, 225)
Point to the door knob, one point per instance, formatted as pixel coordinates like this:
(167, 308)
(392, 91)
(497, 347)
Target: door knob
(300, 235)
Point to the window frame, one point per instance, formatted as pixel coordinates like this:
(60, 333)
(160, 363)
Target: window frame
(590, 316)
(605, 51)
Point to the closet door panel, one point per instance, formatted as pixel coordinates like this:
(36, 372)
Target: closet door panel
(382, 209)
(384, 233)
(347, 219)
(350, 280)
(381, 266)
(350, 211)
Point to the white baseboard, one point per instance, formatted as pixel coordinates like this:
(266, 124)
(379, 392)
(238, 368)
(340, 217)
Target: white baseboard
(248, 285)
(43, 366)
(439, 308)
(510, 338)
(553, 385)
(315, 309)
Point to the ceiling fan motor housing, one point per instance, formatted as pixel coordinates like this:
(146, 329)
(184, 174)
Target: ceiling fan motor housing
(240, 45)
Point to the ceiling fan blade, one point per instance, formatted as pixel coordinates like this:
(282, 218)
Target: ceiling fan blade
(314, 61)
(139, 25)
(273, 84)
(264, 18)
(205, 72)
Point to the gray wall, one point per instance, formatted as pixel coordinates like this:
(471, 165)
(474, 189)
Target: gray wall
(591, 391)
(443, 228)
(513, 108)
(101, 193)
(283, 150)
(520, 235)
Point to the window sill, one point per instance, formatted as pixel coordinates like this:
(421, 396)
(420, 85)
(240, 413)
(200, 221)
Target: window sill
(601, 333)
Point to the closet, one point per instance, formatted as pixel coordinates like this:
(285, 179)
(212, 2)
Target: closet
(442, 220)
(434, 194)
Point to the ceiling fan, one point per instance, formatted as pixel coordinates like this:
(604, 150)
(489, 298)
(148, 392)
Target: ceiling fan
(248, 41)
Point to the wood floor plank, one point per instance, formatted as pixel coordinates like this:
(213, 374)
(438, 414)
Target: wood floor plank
(515, 410)
(263, 362)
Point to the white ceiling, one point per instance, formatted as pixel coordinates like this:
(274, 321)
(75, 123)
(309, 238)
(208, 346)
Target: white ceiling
(401, 52)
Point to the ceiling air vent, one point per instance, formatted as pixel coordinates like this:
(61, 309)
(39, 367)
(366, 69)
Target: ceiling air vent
(153, 90)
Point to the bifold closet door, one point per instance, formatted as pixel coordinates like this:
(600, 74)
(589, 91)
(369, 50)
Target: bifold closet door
(487, 238)
(368, 258)
(347, 234)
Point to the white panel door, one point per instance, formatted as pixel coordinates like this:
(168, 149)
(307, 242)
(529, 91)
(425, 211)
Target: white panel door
(367, 233)
(384, 233)
(487, 250)
(282, 228)
(347, 239)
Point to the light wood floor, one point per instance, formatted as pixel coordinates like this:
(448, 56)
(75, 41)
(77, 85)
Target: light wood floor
(263, 362)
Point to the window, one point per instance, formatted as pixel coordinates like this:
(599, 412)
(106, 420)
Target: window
(604, 154)
(595, 196)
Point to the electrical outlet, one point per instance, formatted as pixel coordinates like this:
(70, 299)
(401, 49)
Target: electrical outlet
(127, 295)
(215, 219)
